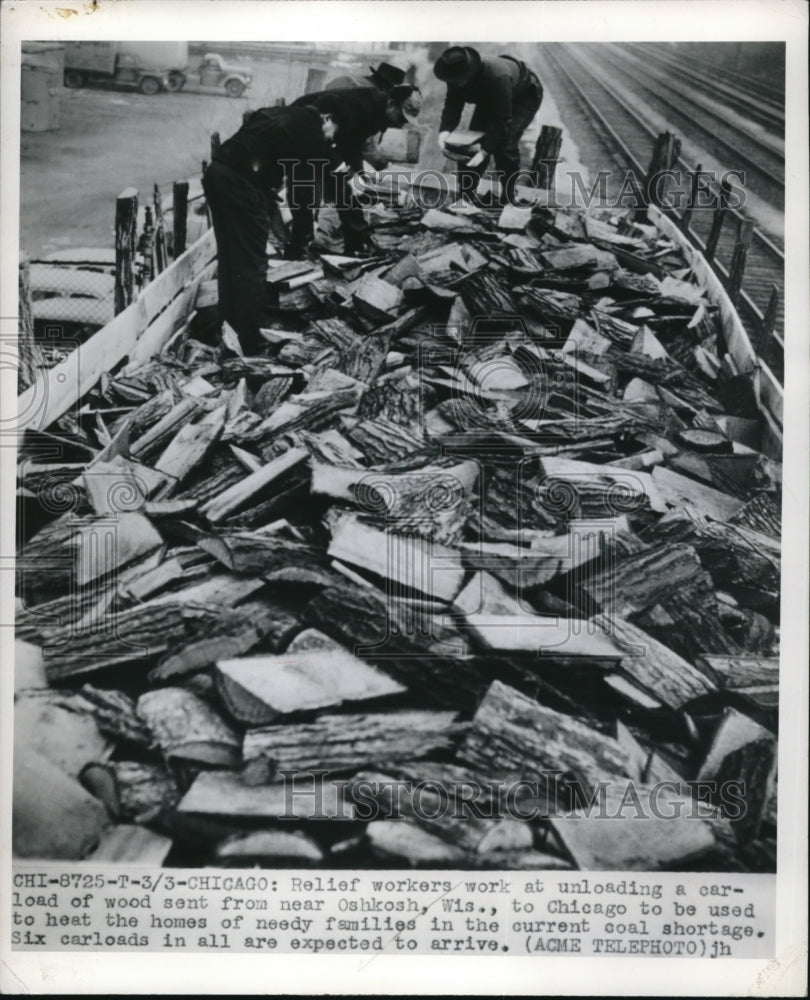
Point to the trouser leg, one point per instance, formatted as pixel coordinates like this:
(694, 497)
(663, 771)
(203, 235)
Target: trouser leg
(241, 220)
(507, 160)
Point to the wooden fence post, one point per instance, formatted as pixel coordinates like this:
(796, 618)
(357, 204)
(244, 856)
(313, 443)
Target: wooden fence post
(665, 155)
(546, 155)
(769, 319)
(29, 353)
(161, 250)
(717, 220)
(694, 191)
(126, 221)
(737, 268)
(146, 246)
(179, 216)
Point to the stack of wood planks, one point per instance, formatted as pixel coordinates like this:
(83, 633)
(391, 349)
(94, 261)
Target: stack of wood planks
(496, 505)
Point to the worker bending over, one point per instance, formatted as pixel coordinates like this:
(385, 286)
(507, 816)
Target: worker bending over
(383, 77)
(363, 112)
(506, 95)
(247, 171)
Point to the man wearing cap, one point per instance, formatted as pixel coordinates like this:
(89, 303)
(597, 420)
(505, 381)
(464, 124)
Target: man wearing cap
(363, 112)
(506, 95)
(244, 175)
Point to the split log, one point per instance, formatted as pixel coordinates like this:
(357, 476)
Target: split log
(132, 791)
(163, 431)
(636, 838)
(265, 846)
(659, 671)
(225, 794)
(549, 636)
(344, 742)
(678, 490)
(743, 752)
(256, 690)
(408, 561)
(512, 734)
(132, 845)
(641, 580)
(68, 739)
(114, 487)
(53, 817)
(186, 727)
(105, 544)
(189, 447)
(377, 299)
(219, 507)
(254, 622)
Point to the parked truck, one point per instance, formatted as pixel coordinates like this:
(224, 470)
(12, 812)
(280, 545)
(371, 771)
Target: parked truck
(145, 66)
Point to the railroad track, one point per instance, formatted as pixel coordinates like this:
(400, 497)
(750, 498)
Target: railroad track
(750, 97)
(622, 134)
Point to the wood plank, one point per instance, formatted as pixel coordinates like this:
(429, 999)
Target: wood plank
(59, 387)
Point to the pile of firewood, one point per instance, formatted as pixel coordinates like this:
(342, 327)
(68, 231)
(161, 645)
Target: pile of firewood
(491, 506)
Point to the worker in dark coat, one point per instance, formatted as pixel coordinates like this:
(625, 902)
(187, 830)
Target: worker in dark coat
(506, 95)
(247, 171)
(383, 77)
(363, 112)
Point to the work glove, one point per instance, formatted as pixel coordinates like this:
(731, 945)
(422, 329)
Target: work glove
(443, 137)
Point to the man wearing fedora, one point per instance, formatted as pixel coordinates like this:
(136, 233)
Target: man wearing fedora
(364, 112)
(383, 77)
(506, 94)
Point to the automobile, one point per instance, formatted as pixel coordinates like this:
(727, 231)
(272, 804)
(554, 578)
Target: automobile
(213, 71)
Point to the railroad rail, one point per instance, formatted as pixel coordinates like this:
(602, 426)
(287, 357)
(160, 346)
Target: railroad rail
(624, 133)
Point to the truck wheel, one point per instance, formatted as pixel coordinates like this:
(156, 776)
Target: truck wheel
(177, 81)
(73, 78)
(149, 85)
(234, 88)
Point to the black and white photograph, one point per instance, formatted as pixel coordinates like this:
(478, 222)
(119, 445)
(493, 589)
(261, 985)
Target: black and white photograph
(404, 503)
